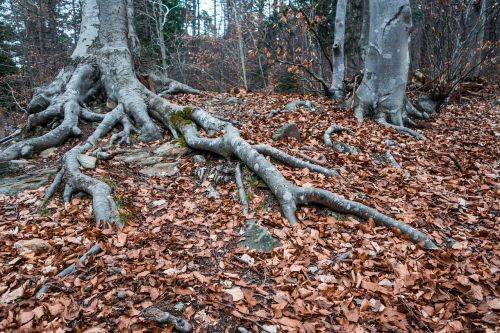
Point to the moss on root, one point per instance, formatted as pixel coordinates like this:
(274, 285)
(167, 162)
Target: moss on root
(182, 117)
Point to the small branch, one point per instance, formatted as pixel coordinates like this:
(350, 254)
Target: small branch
(11, 136)
(70, 269)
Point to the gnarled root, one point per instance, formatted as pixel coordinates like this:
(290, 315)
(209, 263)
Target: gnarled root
(66, 105)
(70, 269)
(339, 145)
(230, 144)
(292, 107)
(103, 204)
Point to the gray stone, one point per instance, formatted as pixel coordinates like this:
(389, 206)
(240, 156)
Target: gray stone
(28, 181)
(47, 152)
(427, 104)
(36, 245)
(86, 161)
(121, 294)
(161, 170)
(179, 306)
(172, 150)
(288, 130)
(134, 157)
(258, 237)
(150, 160)
(232, 100)
(313, 269)
(199, 159)
(160, 202)
(212, 192)
(242, 330)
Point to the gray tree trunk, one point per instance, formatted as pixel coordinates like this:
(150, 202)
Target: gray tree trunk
(337, 89)
(382, 90)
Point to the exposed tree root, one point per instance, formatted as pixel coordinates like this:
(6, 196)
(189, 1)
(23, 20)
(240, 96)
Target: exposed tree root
(293, 161)
(104, 206)
(402, 129)
(391, 159)
(339, 145)
(241, 188)
(230, 144)
(167, 86)
(95, 249)
(292, 107)
(164, 318)
(11, 136)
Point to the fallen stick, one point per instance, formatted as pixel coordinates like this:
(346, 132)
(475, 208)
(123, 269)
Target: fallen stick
(70, 269)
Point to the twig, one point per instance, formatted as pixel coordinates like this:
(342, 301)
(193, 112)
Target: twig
(70, 269)
(11, 136)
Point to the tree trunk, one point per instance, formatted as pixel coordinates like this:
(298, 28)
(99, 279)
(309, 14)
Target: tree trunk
(337, 89)
(382, 90)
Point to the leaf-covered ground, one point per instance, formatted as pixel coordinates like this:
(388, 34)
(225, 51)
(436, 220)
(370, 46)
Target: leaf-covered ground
(187, 248)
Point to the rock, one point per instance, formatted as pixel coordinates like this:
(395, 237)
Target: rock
(160, 202)
(164, 318)
(121, 294)
(247, 259)
(258, 237)
(289, 130)
(150, 160)
(28, 181)
(160, 170)
(270, 328)
(242, 330)
(86, 161)
(172, 150)
(179, 306)
(47, 152)
(134, 157)
(36, 245)
(427, 104)
(212, 192)
(232, 100)
(199, 159)
(313, 269)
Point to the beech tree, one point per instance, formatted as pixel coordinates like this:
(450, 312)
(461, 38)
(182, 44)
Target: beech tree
(382, 92)
(103, 61)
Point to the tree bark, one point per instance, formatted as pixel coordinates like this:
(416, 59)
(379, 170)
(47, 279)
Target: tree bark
(382, 91)
(337, 89)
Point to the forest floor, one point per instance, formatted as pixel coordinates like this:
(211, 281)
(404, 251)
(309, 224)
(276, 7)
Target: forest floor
(183, 254)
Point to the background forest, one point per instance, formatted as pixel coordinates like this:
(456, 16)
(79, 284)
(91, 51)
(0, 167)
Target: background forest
(260, 45)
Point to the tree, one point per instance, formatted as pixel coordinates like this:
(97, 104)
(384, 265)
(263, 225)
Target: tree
(103, 60)
(337, 89)
(381, 93)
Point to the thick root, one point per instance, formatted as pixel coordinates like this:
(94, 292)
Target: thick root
(230, 144)
(339, 145)
(292, 107)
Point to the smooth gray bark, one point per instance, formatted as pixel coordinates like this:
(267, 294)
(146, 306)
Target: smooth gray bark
(382, 91)
(337, 89)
